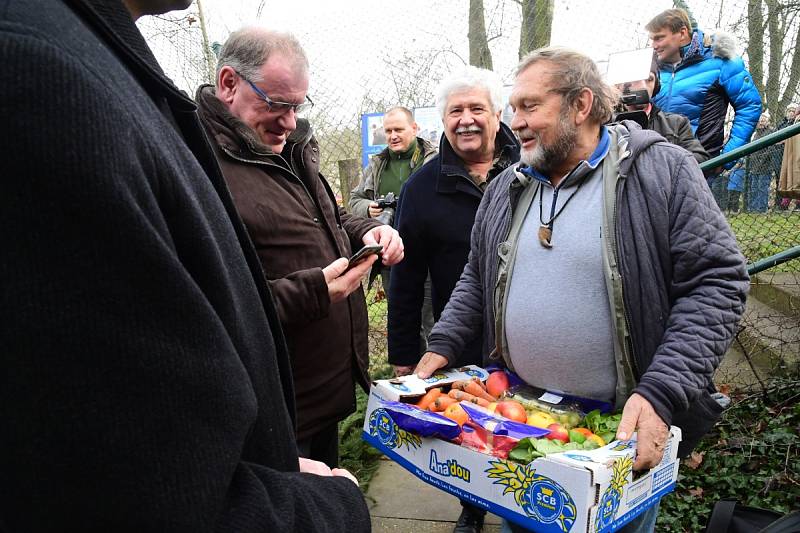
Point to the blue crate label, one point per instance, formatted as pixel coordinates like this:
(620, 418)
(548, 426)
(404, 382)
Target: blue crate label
(389, 434)
(448, 468)
(538, 496)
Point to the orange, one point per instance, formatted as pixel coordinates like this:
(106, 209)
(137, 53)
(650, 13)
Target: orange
(456, 413)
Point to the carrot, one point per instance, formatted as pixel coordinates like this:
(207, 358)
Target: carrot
(480, 401)
(460, 395)
(428, 398)
(441, 403)
(459, 385)
(479, 382)
(476, 390)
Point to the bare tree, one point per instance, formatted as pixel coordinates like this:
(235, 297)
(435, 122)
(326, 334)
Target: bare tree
(537, 24)
(770, 24)
(681, 4)
(479, 53)
(208, 54)
(180, 39)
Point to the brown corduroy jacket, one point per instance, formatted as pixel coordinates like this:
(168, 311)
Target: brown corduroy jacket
(297, 229)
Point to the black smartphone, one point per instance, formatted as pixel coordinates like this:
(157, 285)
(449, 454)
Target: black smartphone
(363, 253)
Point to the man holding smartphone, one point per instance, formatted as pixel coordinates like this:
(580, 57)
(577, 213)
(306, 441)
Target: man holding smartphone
(270, 160)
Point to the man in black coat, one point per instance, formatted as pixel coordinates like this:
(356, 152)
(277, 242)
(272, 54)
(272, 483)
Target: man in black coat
(435, 216)
(145, 382)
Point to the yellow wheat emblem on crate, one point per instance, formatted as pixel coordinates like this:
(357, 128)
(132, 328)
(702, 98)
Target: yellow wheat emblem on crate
(408, 439)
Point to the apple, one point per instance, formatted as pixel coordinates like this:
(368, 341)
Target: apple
(512, 410)
(558, 432)
(497, 383)
(540, 419)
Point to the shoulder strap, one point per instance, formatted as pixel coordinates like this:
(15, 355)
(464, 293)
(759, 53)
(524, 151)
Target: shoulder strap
(787, 524)
(721, 516)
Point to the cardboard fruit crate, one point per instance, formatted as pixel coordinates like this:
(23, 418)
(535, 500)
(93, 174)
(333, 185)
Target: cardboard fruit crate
(582, 490)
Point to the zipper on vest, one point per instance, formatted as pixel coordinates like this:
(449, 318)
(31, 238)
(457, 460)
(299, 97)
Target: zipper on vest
(628, 339)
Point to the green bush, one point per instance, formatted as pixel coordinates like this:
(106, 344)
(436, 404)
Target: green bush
(752, 455)
(762, 235)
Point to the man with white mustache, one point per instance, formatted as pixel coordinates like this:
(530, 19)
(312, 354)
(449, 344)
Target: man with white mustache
(435, 215)
(601, 267)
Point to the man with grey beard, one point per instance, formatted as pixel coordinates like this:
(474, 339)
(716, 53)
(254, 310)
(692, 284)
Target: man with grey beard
(600, 267)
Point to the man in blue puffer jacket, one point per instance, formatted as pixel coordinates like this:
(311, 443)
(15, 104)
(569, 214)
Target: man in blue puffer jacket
(700, 75)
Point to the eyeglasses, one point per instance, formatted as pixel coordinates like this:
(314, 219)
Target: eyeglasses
(279, 107)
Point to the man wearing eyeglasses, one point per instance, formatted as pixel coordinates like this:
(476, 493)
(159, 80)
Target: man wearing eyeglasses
(270, 160)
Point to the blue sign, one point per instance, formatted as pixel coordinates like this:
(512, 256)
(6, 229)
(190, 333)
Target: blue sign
(373, 138)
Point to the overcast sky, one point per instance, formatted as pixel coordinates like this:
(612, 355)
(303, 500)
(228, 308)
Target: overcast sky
(356, 46)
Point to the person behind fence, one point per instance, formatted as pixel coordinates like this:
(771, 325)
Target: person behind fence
(389, 169)
(735, 187)
(789, 179)
(145, 383)
(271, 162)
(600, 266)
(700, 74)
(383, 179)
(761, 166)
(673, 127)
(436, 212)
(781, 202)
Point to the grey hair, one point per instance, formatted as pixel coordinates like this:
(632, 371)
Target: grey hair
(574, 72)
(467, 79)
(247, 49)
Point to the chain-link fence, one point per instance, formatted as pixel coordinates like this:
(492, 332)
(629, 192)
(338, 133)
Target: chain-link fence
(365, 60)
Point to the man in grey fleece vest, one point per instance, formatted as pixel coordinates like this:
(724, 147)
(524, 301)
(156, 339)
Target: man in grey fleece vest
(611, 272)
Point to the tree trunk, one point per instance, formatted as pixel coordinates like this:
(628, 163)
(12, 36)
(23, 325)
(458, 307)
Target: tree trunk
(537, 25)
(772, 85)
(348, 179)
(208, 55)
(479, 53)
(755, 46)
(773, 30)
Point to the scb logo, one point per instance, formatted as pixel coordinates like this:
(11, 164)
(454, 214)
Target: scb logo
(385, 428)
(547, 503)
(476, 374)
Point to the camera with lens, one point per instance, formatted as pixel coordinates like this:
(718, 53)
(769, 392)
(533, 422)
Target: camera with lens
(629, 97)
(388, 203)
(629, 71)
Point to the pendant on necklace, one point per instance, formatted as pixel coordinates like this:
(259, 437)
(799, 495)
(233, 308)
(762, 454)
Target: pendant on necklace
(545, 236)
